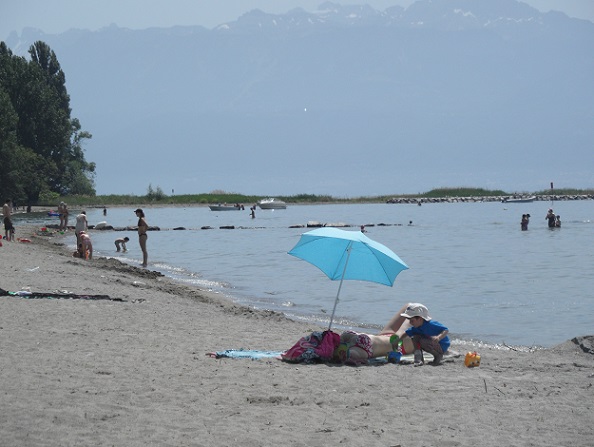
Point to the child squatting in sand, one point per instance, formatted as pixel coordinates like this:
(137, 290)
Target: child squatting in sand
(412, 325)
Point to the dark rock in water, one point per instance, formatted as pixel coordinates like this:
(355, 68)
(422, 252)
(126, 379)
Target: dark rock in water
(179, 228)
(336, 225)
(206, 227)
(148, 229)
(296, 226)
(586, 343)
(227, 227)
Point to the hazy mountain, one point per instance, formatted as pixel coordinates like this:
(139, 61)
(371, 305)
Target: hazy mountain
(347, 100)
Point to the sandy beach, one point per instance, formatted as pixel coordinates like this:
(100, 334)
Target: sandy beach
(133, 370)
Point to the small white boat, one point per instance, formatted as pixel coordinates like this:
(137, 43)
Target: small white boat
(272, 204)
(519, 199)
(225, 207)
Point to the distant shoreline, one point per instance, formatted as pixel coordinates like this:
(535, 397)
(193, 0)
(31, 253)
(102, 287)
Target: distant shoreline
(394, 200)
(502, 199)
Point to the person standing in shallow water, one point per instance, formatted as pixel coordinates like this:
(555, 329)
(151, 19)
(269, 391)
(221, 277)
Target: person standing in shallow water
(551, 218)
(525, 221)
(142, 236)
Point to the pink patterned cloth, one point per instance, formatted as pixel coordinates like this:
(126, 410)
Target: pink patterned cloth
(318, 346)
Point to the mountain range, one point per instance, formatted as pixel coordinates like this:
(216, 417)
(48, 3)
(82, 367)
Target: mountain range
(345, 100)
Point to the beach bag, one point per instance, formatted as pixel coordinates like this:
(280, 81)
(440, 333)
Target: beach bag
(316, 347)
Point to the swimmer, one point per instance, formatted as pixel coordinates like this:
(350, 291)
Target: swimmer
(551, 218)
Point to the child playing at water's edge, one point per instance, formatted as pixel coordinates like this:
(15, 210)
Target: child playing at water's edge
(121, 243)
(427, 334)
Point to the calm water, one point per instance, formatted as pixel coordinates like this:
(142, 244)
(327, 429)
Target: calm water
(469, 263)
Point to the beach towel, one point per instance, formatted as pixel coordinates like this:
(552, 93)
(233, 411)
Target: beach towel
(246, 354)
(57, 295)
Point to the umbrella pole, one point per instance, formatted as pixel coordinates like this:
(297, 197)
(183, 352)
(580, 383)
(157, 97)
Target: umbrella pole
(340, 285)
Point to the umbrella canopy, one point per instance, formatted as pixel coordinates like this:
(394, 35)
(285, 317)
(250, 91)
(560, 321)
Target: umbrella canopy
(344, 255)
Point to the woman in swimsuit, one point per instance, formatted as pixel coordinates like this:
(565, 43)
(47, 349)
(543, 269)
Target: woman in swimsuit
(357, 348)
(142, 236)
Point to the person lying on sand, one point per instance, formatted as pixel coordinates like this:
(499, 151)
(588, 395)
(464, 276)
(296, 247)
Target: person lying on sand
(411, 330)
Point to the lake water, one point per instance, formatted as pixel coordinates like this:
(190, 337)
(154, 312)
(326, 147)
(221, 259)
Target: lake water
(469, 264)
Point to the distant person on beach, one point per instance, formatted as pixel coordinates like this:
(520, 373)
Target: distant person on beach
(525, 221)
(410, 331)
(558, 221)
(142, 236)
(81, 225)
(61, 214)
(104, 211)
(8, 226)
(121, 243)
(66, 216)
(85, 247)
(551, 218)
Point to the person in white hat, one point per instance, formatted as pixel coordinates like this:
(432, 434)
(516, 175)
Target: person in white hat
(427, 334)
(410, 330)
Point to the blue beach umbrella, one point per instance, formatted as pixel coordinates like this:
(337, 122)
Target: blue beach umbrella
(344, 255)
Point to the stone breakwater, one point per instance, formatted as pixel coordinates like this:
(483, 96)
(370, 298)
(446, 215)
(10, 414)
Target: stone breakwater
(540, 198)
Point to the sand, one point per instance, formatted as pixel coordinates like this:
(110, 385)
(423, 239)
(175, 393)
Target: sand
(135, 372)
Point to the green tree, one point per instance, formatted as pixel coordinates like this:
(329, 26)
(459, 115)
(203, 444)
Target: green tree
(45, 58)
(8, 147)
(79, 174)
(43, 147)
(155, 195)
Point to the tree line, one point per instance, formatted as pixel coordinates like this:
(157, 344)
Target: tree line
(41, 144)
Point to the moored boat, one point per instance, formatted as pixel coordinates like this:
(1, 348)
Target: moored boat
(235, 207)
(272, 204)
(519, 199)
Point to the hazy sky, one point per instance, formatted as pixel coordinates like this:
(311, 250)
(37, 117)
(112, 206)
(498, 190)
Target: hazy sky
(56, 16)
